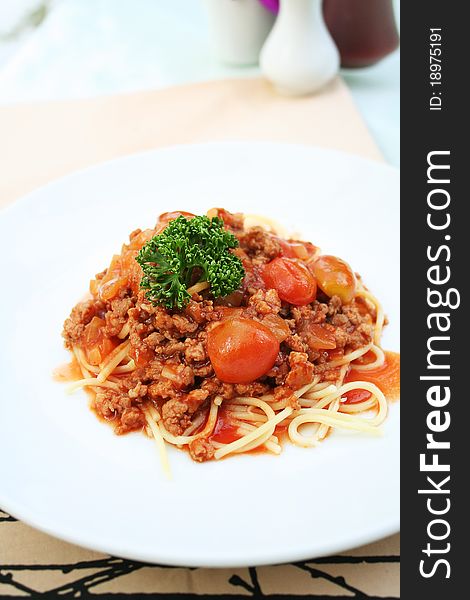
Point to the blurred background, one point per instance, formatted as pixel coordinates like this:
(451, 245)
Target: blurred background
(68, 49)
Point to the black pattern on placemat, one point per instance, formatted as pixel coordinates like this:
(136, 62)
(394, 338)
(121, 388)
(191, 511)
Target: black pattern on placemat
(337, 580)
(5, 517)
(112, 568)
(253, 586)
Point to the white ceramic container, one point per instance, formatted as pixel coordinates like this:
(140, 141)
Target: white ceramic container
(239, 29)
(299, 57)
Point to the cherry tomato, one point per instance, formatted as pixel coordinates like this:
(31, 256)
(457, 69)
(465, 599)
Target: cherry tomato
(291, 279)
(241, 350)
(335, 277)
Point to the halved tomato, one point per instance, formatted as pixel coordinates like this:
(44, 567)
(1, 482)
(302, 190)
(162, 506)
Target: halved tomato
(241, 350)
(335, 277)
(291, 279)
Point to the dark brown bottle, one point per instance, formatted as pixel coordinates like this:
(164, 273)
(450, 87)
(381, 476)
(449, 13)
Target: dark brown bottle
(364, 30)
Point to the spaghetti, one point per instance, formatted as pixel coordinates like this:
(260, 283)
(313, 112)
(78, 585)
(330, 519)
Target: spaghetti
(162, 371)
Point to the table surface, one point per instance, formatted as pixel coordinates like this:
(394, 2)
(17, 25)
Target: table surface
(86, 48)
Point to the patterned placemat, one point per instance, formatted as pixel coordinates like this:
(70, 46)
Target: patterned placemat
(40, 142)
(33, 563)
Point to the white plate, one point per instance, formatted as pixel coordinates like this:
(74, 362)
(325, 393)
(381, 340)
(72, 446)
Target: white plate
(66, 473)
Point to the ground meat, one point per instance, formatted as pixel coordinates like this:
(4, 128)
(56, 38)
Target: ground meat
(341, 337)
(196, 398)
(162, 390)
(116, 315)
(227, 391)
(295, 342)
(79, 318)
(201, 311)
(106, 404)
(301, 371)
(304, 316)
(334, 305)
(150, 372)
(280, 369)
(203, 370)
(138, 391)
(351, 334)
(119, 409)
(264, 303)
(184, 377)
(201, 450)
(354, 315)
(194, 351)
(350, 327)
(259, 244)
(253, 280)
(169, 347)
(131, 419)
(153, 340)
(173, 325)
(177, 412)
(176, 416)
(255, 389)
(214, 387)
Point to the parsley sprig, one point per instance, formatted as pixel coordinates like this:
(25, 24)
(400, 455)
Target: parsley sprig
(189, 251)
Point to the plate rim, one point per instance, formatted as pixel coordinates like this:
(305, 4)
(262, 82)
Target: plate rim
(275, 558)
(177, 147)
(353, 540)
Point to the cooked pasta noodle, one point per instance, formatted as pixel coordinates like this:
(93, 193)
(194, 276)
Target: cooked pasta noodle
(151, 369)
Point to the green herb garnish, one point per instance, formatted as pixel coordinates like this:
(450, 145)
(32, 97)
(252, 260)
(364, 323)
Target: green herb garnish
(187, 252)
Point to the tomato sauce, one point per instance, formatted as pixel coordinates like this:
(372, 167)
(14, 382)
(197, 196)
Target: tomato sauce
(242, 347)
(281, 432)
(385, 377)
(141, 357)
(68, 371)
(225, 430)
(335, 354)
